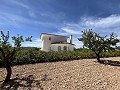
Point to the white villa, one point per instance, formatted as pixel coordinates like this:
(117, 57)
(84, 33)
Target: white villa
(51, 42)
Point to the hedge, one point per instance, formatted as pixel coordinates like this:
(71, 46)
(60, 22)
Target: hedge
(36, 56)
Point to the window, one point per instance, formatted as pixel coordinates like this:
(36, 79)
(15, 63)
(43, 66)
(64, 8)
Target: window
(49, 38)
(65, 48)
(59, 48)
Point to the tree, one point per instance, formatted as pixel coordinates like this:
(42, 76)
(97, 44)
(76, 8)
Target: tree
(97, 43)
(8, 52)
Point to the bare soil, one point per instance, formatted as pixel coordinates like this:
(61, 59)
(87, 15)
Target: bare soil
(84, 74)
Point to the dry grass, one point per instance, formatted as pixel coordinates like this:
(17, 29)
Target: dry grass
(84, 74)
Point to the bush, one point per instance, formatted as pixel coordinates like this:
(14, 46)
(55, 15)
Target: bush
(37, 56)
(22, 57)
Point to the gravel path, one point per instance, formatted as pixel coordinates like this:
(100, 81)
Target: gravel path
(84, 74)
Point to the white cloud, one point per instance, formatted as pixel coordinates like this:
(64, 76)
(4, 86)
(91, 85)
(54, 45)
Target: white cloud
(106, 22)
(17, 21)
(70, 30)
(60, 33)
(77, 43)
(104, 26)
(22, 4)
(35, 43)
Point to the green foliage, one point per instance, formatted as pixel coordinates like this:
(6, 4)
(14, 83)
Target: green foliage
(19, 39)
(30, 56)
(22, 56)
(97, 43)
(4, 38)
(36, 55)
(7, 52)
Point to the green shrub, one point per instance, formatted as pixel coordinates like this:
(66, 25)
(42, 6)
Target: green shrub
(37, 56)
(22, 57)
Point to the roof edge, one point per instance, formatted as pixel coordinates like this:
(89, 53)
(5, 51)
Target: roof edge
(53, 35)
(64, 43)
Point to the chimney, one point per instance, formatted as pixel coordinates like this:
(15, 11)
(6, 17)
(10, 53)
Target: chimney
(70, 39)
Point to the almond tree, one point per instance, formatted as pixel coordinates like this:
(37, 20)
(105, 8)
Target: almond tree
(8, 52)
(97, 43)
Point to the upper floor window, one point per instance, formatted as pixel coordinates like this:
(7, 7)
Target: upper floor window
(49, 38)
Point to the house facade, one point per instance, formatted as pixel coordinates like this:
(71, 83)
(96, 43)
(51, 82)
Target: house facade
(51, 42)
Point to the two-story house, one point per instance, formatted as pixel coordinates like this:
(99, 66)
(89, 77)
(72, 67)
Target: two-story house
(51, 42)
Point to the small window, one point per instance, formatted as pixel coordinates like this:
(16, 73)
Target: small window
(65, 48)
(59, 48)
(49, 38)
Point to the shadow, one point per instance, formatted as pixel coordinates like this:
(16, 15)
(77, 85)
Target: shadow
(25, 82)
(110, 62)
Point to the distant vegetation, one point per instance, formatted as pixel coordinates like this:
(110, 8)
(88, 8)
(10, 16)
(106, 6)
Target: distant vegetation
(30, 56)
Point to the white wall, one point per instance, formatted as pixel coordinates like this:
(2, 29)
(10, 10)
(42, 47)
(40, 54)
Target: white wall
(54, 47)
(71, 47)
(46, 43)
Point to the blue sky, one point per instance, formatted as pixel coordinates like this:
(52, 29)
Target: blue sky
(63, 17)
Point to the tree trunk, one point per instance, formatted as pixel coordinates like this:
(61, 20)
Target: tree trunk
(98, 58)
(9, 72)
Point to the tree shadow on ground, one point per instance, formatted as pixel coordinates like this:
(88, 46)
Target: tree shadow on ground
(110, 62)
(25, 82)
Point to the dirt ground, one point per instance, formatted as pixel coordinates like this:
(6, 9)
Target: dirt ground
(85, 74)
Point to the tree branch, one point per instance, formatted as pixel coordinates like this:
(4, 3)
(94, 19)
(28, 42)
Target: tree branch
(2, 51)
